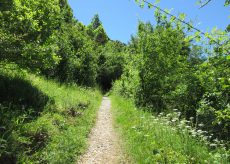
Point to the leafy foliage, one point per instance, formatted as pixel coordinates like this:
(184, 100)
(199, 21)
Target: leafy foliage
(44, 37)
(33, 28)
(110, 64)
(167, 70)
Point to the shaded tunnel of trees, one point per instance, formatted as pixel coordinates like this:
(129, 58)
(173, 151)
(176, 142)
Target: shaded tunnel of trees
(162, 67)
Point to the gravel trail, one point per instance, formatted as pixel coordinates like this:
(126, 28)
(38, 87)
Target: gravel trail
(104, 147)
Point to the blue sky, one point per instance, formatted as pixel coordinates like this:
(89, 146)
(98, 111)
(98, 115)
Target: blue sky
(120, 17)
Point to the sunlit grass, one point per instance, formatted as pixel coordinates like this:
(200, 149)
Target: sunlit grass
(152, 139)
(58, 132)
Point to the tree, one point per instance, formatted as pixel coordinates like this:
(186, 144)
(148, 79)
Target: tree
(164, 57)
(30, 29)
(100, 35)
(95, 23)
(66, 11)
(96, 31)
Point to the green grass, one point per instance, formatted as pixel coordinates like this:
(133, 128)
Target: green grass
(148, 139)
(42, 121)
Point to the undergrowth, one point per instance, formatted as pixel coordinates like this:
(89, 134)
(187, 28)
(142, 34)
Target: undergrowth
(43, 121)
(159, 139)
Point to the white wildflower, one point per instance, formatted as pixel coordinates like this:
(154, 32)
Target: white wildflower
(200, 125)
(213, 145)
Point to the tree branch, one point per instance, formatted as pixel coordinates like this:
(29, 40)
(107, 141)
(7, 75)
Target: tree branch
(184, 22)
(205, 4)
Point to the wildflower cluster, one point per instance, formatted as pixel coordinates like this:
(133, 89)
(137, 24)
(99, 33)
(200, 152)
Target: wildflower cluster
(189, 129)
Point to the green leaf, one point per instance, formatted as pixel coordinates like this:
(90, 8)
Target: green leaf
(228, 57)
(227, 2)
(150, 6)
(142, 4)
(157, 2)
(182, 16)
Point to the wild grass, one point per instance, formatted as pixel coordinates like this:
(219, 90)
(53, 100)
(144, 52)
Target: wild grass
(43, 121)
(161, 139)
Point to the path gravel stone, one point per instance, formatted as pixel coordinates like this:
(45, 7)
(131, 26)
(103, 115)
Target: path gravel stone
(104, 147)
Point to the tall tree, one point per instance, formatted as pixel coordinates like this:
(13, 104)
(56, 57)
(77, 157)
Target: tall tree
(96, 22)
(100, 35)
(30, 29)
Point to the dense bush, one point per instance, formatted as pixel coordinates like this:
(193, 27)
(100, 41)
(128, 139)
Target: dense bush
(164, 70)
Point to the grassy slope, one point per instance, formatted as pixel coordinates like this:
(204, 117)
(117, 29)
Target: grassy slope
(149, 140)
(42, 120)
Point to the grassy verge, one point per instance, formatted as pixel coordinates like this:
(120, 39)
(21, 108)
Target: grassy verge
(42, 121)
(149, 139)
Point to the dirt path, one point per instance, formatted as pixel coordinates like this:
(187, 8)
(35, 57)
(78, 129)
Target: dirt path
(104, 147)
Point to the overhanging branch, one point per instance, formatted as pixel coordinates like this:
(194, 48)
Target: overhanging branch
(204, 4)
(184, 22)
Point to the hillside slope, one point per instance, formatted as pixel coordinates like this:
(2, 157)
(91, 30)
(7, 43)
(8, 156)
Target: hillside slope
(41, 120)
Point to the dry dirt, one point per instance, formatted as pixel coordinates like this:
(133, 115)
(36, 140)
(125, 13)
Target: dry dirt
(104, 145)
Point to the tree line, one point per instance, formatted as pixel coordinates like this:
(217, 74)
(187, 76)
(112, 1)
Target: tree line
(44, 37)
